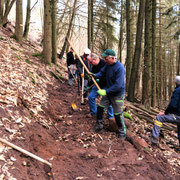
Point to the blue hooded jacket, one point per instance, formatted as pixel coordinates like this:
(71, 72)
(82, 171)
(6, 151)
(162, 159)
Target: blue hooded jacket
(174, 104)
(114, 75)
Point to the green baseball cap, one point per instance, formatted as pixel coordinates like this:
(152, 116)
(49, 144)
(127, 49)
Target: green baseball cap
(108, 52)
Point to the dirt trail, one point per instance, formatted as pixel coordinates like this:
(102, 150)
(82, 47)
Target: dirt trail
(74, 150)
(78, 153)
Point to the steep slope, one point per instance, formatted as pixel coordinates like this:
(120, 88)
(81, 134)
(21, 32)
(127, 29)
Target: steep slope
(36, 114)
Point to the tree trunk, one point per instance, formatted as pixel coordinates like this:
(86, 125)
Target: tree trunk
(19, 21)
(28, 16)
(121, 34)
(47, 48)
(1, 9)
(137, 53)
(146, 91)
(54, 31)
(160, 57)
(90, 21)
(153, 97)
(128, 39)
(69, 30)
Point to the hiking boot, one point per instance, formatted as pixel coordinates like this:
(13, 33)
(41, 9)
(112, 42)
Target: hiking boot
(121, 136)
(153, 140)
(98, 127)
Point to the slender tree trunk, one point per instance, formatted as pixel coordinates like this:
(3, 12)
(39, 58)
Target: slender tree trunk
(170, 65)
(28, 16)
(19, 21)
(153, 97)
(146, 91)
(128, 39)
(54, 31)
(89, 24)
(160, 56)
(121, 34)
(92, 25)
(69, 30)
(137, 53)
(47, 48)
(1, 9)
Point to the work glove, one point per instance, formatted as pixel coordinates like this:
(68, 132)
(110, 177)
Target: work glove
(91, 74)
(87, 89)
(97, 80)
(82, 75)
(102, 92)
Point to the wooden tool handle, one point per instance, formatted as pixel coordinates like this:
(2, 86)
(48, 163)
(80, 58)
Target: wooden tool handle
(25, 152)
(83, 64)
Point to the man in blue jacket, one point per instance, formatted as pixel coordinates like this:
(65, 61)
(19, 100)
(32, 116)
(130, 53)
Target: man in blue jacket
(171, 114)
(114, 73)
(97, 65)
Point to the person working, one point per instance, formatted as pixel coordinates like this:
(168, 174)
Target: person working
(97, 65)
(171, 114)
(114, 93)
(80, 68)
(70, 65)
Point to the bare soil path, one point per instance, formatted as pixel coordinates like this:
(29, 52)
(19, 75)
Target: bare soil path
(77, 153)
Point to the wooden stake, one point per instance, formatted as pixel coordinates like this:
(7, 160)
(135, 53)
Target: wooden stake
(25, 152)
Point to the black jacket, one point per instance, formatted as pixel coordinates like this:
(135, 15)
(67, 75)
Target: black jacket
(80, 67)
(70, 58)
(96, 69)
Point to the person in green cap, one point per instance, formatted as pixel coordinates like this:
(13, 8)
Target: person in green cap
(114, 73)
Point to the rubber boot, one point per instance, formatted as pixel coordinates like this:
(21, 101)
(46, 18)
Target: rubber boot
(99, 125)
(121, 132)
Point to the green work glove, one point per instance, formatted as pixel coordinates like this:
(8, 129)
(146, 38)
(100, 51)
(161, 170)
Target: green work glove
(91, 74)
(87, 89)
(102, 92)
(97, 80)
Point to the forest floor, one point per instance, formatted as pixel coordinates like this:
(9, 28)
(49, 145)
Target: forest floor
(36, 115)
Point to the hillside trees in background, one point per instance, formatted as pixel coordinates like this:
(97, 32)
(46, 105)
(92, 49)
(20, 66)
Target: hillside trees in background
(151, 60)
(69, 29)
(5, 8)
(19, 21)
(105, 12)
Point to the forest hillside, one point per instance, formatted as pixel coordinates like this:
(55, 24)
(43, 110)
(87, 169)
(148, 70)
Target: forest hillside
(36, 115)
